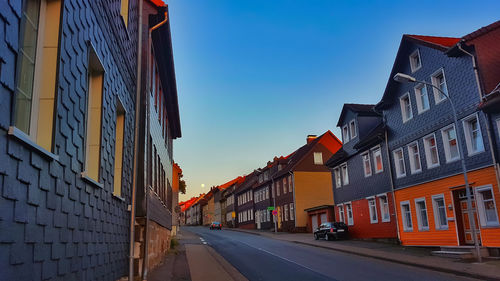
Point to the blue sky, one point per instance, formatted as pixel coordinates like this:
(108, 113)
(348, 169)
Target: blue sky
(254, 78)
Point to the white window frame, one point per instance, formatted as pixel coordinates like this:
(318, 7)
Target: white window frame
(345, 134)
(414, 67)
(377, 151)
(352, 126)
(411, 157)
(350, 219)
(437, 94)
(318, 158)
(403, 216)
(435, 208)
(367, 159)
(468, 139)
(399, 173)
(292, 212)
(382, 204)
(345, 177)
(403, 107)
(427, 150)
(480, 203)
(418, 211)
(446, 143)
(337, 176)
(340, 208)
(290, 184)
(419, 88)
(372, 207)
(285, 211)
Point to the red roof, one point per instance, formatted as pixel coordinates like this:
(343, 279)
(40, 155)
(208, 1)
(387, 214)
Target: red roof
(482, 30)
(436, 40)
(158, 3)
(239, 179)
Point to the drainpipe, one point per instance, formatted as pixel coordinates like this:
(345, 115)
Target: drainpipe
(136, 148)
(487, 123)
(392, 184)
(146, 235)
(294, 207)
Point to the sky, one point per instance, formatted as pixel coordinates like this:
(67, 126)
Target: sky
(255, 77)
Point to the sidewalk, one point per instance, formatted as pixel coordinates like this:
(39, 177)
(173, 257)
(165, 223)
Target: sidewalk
(193, 260)
(415, 256)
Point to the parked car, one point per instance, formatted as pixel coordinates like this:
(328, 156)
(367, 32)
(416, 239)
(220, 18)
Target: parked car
(331, 230)
(216, 225)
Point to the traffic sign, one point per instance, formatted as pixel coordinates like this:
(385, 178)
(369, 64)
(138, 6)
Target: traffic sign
(270, 208)
(275, 213)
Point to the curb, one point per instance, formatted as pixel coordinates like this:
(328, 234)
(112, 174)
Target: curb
(435, 268)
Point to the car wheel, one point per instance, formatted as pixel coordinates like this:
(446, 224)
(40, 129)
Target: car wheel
(316, 236)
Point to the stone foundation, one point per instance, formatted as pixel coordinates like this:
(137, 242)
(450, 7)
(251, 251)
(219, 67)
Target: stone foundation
(158, 244)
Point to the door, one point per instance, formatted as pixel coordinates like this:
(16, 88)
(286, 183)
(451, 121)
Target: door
(466, 223)
(257, 218)
(314, 222)
(323, 217)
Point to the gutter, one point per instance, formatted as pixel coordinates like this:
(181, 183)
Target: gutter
(136, 149)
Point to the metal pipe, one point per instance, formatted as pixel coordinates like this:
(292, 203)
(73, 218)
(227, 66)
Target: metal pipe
(136, 149)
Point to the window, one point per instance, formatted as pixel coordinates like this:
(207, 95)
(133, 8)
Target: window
(284, 186)
(37, 61)
(431, 152)
(345, 174)
(377, 157)
(406, 216)
(120, 126)
(384, 208)
(405, 104)
(352, 129)
(272, 188)
(487, 209)
(286, 212)
(367, 166)
(399, 163)
(94, 111)
(414, 155)
(372, 207)
(422, 219)
(268, 214)
(345, 134)
(124, 11)
(473, 136)
(341, 213)
(338, 180)
(318, 158)
(292, 214)
(350, 218)
(267, 192)
(422, 98)
(439, 81)
(450, 143)
(290, 184)
(415, 62)
(277, 188)
(440, 211)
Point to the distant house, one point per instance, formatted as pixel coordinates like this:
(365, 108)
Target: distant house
(361, 175)
(304, 182)
(262, 196)
(228, 204)
(244, 202)
(424, 144)
(208, 206)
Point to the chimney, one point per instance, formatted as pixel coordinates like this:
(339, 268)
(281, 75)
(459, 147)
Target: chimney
(310, 138)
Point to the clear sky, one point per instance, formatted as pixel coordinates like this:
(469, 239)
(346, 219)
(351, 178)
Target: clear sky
(255, 77)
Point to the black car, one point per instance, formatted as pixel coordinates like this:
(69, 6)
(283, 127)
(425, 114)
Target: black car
(216, 225)
(331, 230)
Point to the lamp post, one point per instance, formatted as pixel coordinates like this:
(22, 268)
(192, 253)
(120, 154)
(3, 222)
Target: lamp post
(404, 78)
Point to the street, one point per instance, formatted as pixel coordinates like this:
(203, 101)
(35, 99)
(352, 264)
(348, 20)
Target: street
(261, 258)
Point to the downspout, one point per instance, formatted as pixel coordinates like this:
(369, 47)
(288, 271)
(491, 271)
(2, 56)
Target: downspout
(487, 123)
(146, 243)
(136, 148)
(392, 184)
(294, 205)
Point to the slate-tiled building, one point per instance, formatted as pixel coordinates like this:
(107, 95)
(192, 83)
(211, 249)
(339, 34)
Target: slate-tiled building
(361, 179)
(262, 196)
(243, 197)
(423, 144)
(67, 102)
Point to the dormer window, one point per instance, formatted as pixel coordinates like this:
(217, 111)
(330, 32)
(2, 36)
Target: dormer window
(406, 111)
(318, 158)
(415, 62)
(345, 134)
(352, 129)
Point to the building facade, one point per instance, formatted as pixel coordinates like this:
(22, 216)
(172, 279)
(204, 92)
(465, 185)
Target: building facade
(361, 178)
(243, 196)
(66, 138)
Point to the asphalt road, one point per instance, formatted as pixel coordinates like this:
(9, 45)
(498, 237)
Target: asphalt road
(262, 258)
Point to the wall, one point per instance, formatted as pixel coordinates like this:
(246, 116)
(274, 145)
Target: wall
(312, 189)
(159, 243)
(52, 223)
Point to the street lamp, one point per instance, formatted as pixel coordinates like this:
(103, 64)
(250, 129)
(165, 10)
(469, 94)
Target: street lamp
(405, 78)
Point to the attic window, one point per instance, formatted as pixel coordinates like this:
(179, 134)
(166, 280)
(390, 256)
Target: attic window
(345, 134)
(318, 158)
(415, 61)
(352, 128)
